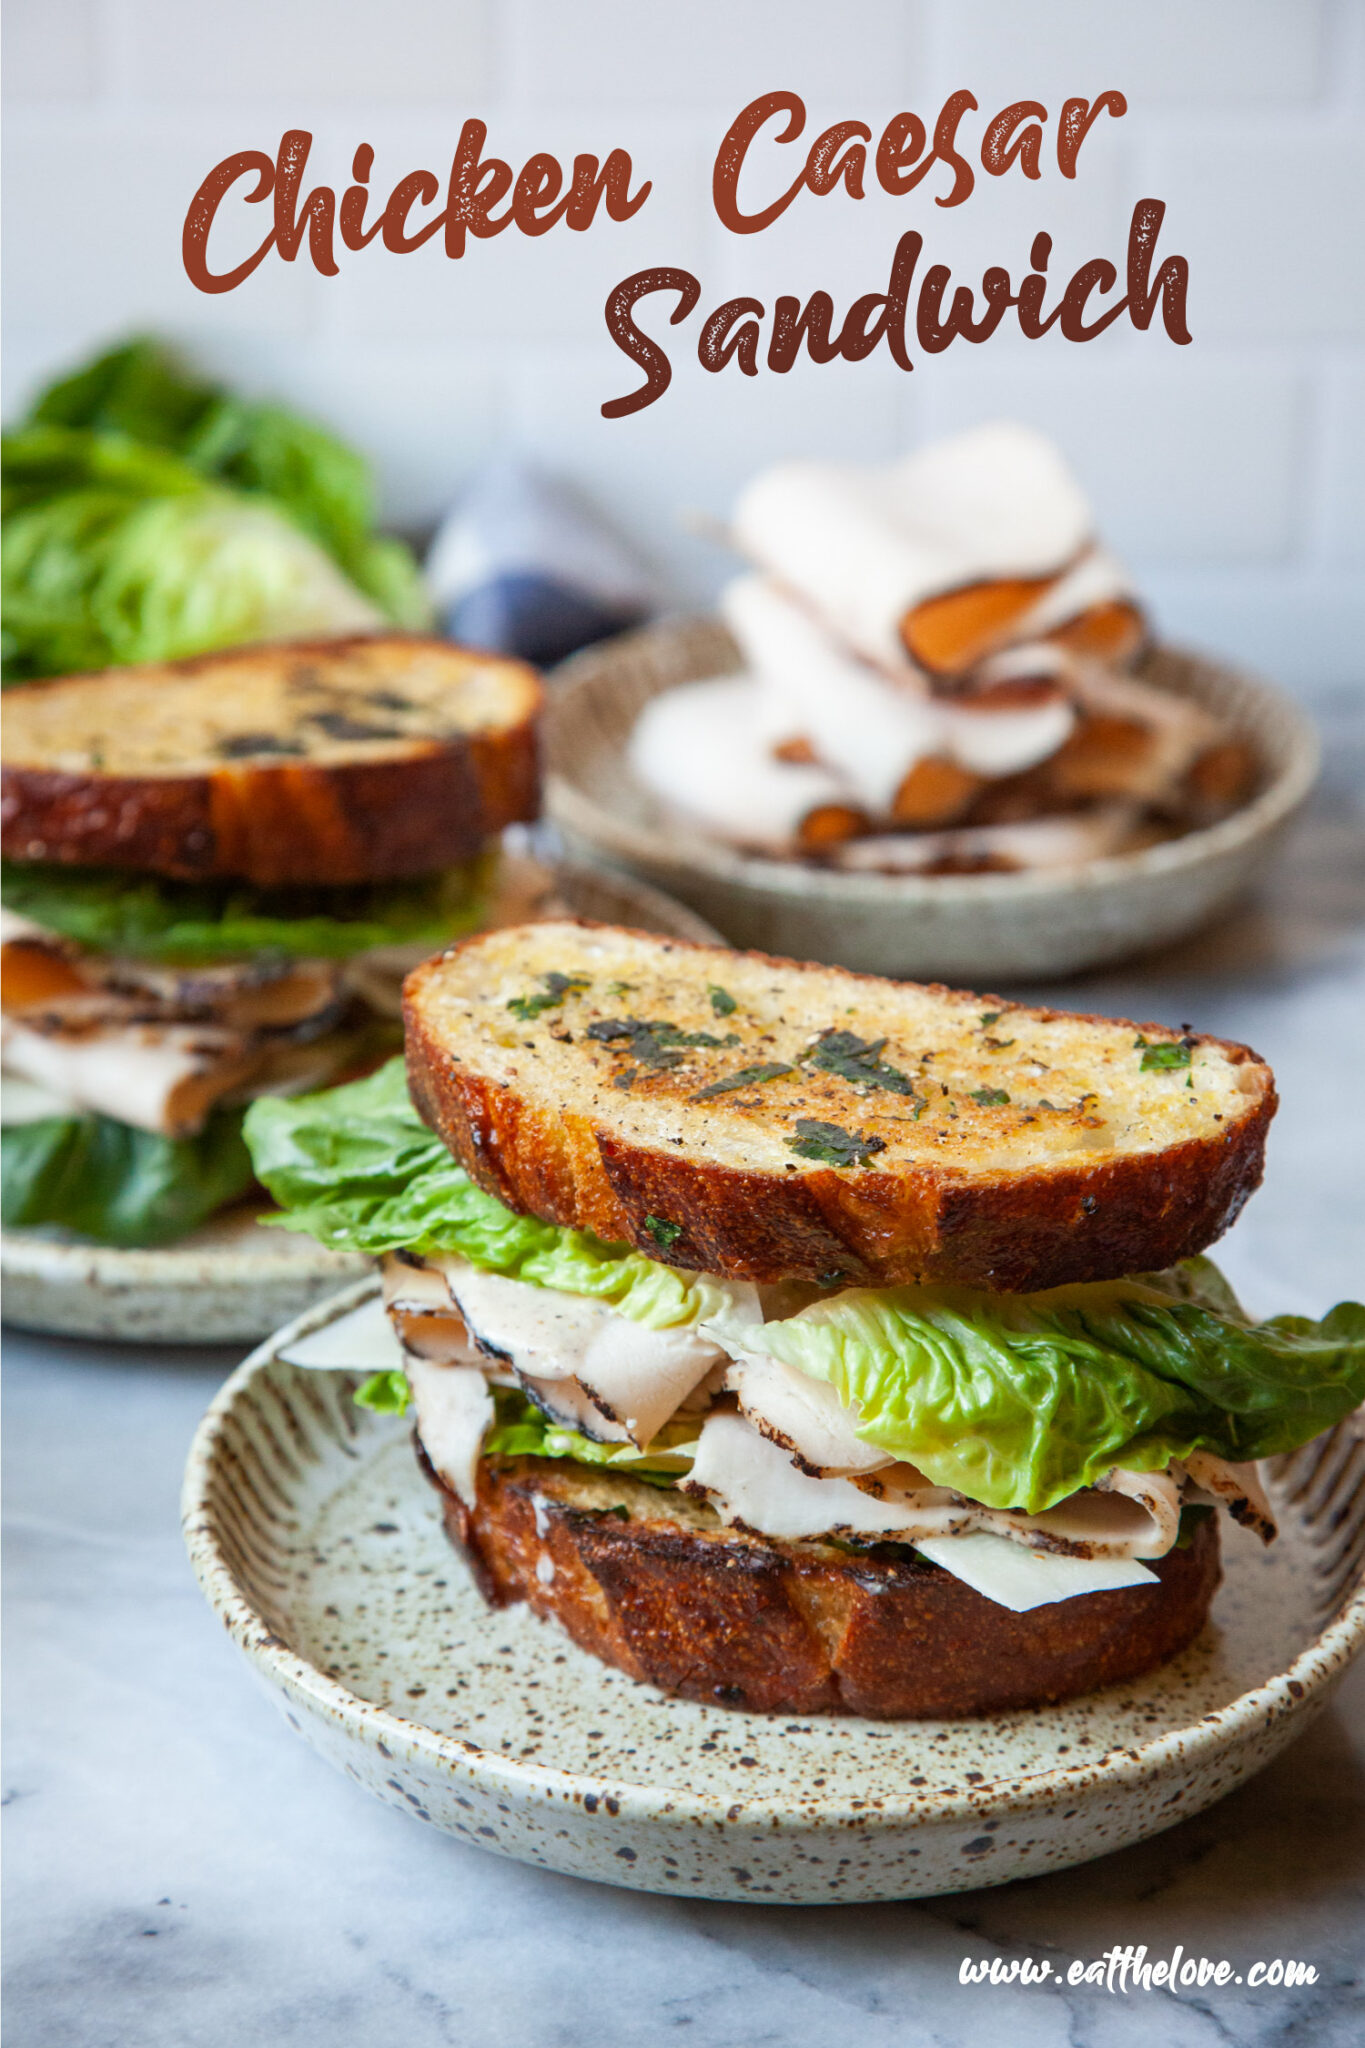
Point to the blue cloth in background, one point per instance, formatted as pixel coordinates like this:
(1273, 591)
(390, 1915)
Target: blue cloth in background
(525, 566)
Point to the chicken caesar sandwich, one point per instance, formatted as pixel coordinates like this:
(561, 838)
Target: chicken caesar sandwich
(216, 872)
(806, 1341)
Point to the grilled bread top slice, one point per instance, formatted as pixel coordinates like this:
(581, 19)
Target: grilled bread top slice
(326, 762)
(735, 1113)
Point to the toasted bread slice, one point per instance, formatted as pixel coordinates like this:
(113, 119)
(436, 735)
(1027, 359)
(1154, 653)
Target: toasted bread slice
(735, 1113)
(328, 762)
(648, 1581)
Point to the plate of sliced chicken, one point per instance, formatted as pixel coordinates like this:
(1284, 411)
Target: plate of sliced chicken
(932, 732)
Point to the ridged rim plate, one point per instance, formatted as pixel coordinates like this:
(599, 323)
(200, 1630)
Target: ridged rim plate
(233, 1281)
(319, 1545)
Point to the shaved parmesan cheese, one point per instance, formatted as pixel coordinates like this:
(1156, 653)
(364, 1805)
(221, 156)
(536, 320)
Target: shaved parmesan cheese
(454, 1410)
(1023, 1579)
(360, 1341)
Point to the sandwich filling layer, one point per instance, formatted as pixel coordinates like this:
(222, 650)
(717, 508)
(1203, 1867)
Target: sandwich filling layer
(138, 1016)
(1078, 1427)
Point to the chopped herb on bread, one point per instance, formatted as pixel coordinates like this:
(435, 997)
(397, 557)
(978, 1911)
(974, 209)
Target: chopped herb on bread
(828, 1121)
(335, 762)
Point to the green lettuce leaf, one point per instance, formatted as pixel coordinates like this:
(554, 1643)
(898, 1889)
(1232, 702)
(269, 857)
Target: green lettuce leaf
(387, 1393)
(1015, 1400)
(147, 918)
(148, 514)
(357, 1168)
(118, 1185)
(521, 1431)
(1019, 1400)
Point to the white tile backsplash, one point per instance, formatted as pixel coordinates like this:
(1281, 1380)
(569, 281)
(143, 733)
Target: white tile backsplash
(307, 52)
(1192, 53)
(712, 54)
(1185, 463)
(1229, 472)
(51, 50)
(1273, 225)
(1342, 505)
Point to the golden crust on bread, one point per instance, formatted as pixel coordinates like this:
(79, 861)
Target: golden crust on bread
(670, 1596)
(328, 762)
(992, 1144)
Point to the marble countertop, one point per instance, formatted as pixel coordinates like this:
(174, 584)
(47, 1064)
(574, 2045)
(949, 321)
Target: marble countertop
(180, 1869)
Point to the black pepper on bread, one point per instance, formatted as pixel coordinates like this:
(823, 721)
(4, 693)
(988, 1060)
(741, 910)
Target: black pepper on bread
(797, 1121)
(330, 763)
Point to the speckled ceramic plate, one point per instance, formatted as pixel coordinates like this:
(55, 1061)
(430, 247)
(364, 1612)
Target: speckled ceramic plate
(320, 1545)
(233, 1281)
(973, 930)
(226, 1283)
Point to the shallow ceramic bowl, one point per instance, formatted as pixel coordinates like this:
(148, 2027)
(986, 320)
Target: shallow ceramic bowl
(320, 1546)
(232, 1281)
(970, 928)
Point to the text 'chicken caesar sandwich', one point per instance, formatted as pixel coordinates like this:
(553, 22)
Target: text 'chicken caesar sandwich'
(216, 873)
(806, 1341)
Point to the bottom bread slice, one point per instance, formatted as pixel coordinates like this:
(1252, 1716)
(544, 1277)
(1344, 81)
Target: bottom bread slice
(652, 1582)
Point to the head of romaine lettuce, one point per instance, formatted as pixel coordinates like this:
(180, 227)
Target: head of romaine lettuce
(1015, 1400)
(148, 515)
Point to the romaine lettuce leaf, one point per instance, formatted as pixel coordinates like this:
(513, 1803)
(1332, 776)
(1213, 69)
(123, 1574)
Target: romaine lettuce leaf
(1015, 1400)
(521, 1431)
(358, 1169)
(145, 917)
(1019, 1400)
(118, 1185)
